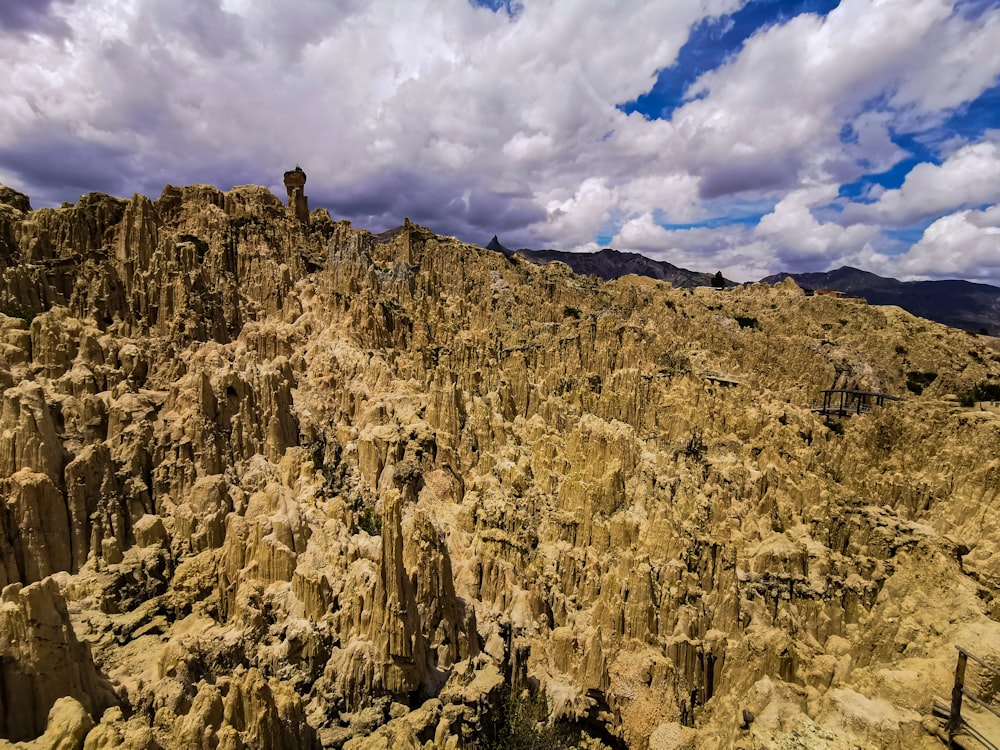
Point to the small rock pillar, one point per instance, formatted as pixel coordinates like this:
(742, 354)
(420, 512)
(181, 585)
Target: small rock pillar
(295, 183)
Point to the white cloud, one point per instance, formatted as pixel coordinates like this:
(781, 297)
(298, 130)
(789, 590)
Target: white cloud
(474, 122)
(789, 238)
(733, 249)
(582, 215)
(773, 116)
(453, 92)
(961, 60)
(969, 177)
(798, 236)
(965, 245)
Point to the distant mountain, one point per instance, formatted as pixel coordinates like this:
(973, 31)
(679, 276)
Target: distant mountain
(611, 264)
(959, 304)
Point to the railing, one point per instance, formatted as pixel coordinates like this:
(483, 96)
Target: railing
(955, 721)
(843, 402)
(719, 377)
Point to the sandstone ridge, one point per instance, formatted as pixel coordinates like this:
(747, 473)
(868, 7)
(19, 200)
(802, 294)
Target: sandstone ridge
(273, 481)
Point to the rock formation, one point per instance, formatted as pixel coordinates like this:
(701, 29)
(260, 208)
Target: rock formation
(273, 481)
(295, 184)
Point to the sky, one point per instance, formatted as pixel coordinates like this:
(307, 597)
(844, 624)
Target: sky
(748, 136)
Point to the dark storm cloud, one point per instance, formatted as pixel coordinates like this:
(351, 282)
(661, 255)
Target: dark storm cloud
(738, 178)
(61, 167)
(447, 207)
(221, 173)
(27, 16)
(67, 166)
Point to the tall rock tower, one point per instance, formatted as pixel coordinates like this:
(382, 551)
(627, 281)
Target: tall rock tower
(295, 183)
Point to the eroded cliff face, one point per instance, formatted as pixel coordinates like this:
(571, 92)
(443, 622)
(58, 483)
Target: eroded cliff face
(275, 483)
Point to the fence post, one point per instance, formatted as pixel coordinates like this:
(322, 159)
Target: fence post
(955, 718)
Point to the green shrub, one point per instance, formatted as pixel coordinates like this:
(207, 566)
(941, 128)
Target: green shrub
(674, 362)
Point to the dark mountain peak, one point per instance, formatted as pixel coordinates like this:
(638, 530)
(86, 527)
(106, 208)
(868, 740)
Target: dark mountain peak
(857, 275)
(844, 279)
(496, 247)
(609, 263)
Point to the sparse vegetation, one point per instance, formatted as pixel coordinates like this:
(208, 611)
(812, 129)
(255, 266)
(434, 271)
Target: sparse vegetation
(524, 724)
(917, 381)
(695, 447)
(326, 460)
(16, 309)
(369, 520)
(776, 525)
(674, 363)
(982, 391)
(888, 429)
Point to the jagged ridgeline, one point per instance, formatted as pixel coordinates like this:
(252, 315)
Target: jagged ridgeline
(271, 481)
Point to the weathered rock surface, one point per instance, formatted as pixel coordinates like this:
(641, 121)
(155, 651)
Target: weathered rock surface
(271, 481)
(42, 662)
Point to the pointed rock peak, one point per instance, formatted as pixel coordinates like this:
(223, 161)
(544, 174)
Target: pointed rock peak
(496, 247)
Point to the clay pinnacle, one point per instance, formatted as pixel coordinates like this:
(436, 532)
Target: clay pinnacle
(295, 183)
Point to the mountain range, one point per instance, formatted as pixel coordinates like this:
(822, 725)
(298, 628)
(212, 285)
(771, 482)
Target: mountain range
(960, 304)
(612, 264)
(956, 303)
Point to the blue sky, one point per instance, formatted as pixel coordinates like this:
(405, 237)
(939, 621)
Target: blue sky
(750, 136)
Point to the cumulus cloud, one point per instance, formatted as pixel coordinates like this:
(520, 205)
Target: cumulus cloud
(965, 244)
(789, 238)
(473, 102)
(732, 249)
(477, 122)
(800, 240)
(969, 177)
(774, 116)
(791, 115)
(961, 61)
